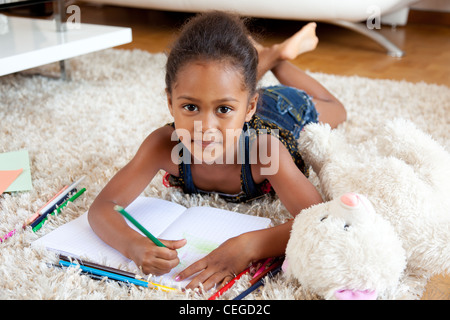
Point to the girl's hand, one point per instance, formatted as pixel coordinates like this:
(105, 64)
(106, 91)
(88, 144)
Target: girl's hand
(220, 266)
(153, 259)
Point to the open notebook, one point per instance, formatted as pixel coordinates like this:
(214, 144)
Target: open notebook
(204, 228)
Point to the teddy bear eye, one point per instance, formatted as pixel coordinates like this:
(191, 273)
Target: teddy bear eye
(323, 218)
(346, 227)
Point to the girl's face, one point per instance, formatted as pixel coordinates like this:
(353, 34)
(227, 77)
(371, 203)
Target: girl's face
(210, 104)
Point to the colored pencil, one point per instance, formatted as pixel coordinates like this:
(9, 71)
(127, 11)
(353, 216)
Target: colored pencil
(90, 275)
(41, 221)
(273, 266)
(103, 273)
(115, 276)
(122, 211)
(98, 266)
(36, 215)
(44, 215)
(51, 206)
(8, 235)
(259, 283)
(56, 202)
(228, 285)
(263, 267)
(72, 199)
(116, 271)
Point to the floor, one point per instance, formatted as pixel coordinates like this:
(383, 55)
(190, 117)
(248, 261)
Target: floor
(425, 39)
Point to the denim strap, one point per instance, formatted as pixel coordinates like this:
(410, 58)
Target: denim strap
(248, 184)
(189, 186)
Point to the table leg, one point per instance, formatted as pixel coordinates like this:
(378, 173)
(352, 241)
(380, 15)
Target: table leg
(60, 19)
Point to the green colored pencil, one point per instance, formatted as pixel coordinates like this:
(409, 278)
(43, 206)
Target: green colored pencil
(58, 210)
(122, 211)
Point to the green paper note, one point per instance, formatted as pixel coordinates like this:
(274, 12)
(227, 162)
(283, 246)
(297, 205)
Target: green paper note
(16, 160)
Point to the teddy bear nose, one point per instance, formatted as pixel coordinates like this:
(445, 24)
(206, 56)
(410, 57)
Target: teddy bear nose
(350, 199)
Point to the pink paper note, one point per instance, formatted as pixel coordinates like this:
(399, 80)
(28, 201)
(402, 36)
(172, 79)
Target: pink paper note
(7, 177)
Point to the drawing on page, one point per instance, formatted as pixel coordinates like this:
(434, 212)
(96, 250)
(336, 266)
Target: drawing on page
(195, 249)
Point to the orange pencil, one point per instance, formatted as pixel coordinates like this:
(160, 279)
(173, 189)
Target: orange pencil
(37, 213)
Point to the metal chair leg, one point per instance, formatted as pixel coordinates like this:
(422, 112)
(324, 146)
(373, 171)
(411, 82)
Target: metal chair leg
(392, 49)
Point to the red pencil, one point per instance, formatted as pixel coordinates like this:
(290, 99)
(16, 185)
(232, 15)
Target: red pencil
(228, 285)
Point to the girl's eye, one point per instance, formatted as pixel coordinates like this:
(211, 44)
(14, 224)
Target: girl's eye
(223, 109)
(190, 107)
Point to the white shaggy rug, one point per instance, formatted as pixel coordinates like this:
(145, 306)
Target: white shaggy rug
(94, 124)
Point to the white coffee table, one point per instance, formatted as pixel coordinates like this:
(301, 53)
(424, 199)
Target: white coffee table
(27, 43)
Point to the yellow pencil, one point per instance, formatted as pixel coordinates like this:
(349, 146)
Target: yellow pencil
(161, 287)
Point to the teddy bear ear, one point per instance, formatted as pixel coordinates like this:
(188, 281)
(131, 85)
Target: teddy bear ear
(350, 199)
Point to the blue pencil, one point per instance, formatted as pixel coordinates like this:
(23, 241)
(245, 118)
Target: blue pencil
(105, 273)
(116, 276)
(257, 284)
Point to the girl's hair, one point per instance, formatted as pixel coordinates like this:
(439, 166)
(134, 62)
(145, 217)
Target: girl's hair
(214, 36)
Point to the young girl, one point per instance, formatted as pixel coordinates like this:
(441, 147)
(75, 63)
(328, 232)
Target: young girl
(211, 77)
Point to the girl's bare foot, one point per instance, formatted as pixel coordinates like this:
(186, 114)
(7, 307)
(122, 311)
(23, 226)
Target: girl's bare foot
(269, 57)
(303, 41)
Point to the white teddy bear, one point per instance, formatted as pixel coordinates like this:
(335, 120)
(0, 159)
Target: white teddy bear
(348, 249)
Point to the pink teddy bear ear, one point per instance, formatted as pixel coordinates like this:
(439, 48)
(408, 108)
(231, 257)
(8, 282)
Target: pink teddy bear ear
(356, 295)
(350, 199)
